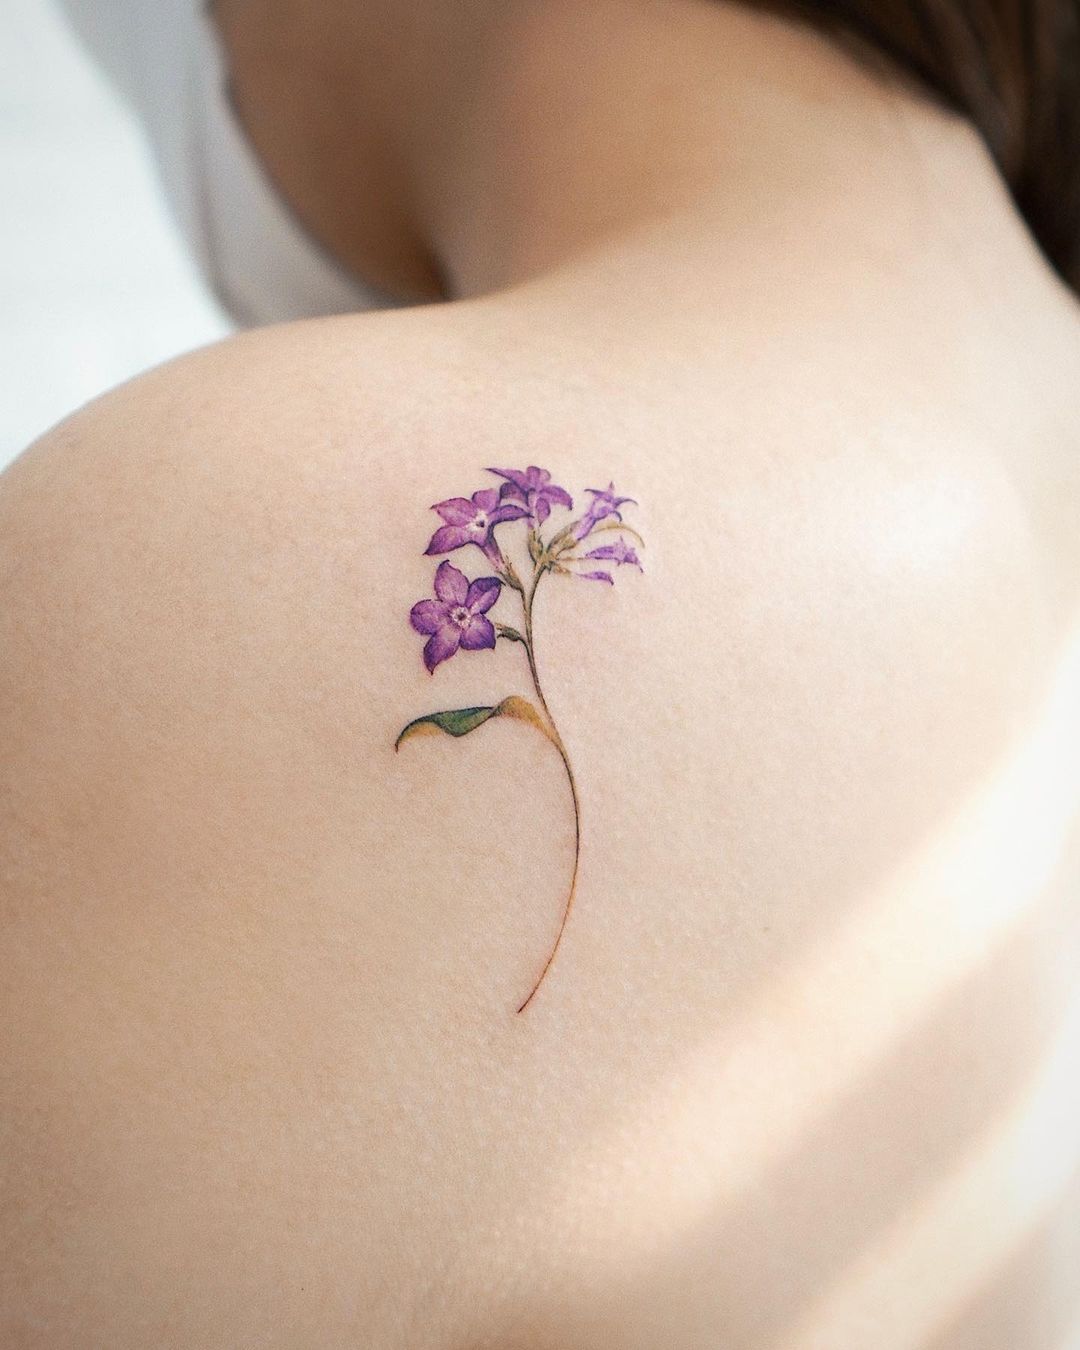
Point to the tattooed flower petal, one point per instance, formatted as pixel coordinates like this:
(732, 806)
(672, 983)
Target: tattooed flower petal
(427, 616)
(482, 594)
(619, 552)
(507, 511)
(441, 646)
(597, 576)
(455, 510)
(523, 479)
(608, 496)
(559, 496)
(604, 503)
(456, 618)
(451, 585)
(533, 489)
(472, 520)
(446, 538)
(479, 634)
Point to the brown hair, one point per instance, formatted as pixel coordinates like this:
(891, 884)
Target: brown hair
(1013, 68)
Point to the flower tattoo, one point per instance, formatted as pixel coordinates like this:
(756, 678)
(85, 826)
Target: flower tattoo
(472, 521)
(457, 618)
(534, 490)
(604, 504)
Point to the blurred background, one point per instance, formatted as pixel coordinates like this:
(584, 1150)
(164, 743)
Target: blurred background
(95, 283)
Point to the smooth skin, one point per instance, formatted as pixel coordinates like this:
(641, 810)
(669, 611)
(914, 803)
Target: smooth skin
(804, 1073)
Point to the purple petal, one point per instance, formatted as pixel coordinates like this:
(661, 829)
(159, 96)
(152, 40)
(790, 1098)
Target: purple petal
(597, 576)
(507, 511)
(608, 494)
(479, 634)
(490, 549)
(485, 500)
(451, 586)
(542, 509)
(599, 509)
(512, 493)
(427, 616)
(559, 495)
(456, 510)
(445, 538)
(619, 552)
(482, 594)
(536, 476)
(442, 645)
(514, 476)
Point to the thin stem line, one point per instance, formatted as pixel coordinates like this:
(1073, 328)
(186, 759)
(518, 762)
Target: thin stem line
(557, 740)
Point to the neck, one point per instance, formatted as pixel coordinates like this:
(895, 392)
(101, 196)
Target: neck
(586, 132)
(464, 150)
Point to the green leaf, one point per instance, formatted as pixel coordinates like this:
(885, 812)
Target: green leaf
(460, 721)
(511, 634)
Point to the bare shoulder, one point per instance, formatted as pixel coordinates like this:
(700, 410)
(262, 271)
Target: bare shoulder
(264, 1078)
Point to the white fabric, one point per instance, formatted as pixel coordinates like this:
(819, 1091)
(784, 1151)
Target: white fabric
(167, 59)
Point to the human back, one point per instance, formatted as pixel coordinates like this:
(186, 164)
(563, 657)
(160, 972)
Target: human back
(270, 1083)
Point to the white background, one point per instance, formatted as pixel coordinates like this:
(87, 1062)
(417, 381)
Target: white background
(95, 284)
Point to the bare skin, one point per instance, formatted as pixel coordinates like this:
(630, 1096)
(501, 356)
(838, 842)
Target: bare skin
(805, 1071)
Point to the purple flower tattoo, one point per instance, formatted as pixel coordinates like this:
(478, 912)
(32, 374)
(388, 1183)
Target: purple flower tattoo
(456, 619)
(533, 489)
(604, 504)
(472, 520)
(620, 552)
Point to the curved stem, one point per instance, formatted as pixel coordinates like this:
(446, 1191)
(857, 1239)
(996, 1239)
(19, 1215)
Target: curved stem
(557, 740)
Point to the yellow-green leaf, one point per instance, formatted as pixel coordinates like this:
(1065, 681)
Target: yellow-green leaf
(460, 721)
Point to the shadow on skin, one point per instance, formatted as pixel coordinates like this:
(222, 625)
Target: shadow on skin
(1013, 1305)
(748, 1272)
(750, 1257)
